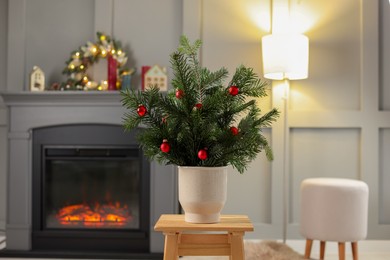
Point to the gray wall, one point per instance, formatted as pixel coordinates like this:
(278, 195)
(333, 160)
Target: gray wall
(53, 30)
(3, 126)
(384, 105)
(149, 31)
(339, 121)
(44, 32)
(3, 41)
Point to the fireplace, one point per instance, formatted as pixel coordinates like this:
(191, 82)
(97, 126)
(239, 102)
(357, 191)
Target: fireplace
(90, 185)
(33, 115)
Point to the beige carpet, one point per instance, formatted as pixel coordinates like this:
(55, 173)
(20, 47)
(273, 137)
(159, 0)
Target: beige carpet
(270, 250)
(264, 250)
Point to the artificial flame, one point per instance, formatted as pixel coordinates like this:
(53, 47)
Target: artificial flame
(111, 215)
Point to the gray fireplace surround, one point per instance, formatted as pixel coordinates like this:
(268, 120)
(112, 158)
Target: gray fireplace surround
(30, 110)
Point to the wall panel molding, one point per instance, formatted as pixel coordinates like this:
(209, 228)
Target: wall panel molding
(16, 45)
(103, 16)
(384, 55)
(3, 117)
(192, 19)
(384, 177)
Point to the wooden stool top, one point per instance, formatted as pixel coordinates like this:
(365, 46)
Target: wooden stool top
(231, 223)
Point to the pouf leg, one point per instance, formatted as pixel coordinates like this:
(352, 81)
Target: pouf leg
(309, 243)
(341, 251)
(322, 250)
(354, 250)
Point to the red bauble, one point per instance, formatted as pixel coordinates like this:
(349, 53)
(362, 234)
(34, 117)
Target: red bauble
(164, 120)
(141, 110)
(165, 147)
(233, 90)
(179, 93)
(202, 154)
(234, 130)
(198, 106)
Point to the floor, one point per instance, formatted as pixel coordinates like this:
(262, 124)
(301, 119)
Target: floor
(362, 256)
(329, 256)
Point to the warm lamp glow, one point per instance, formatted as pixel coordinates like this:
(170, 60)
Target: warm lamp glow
(285, 56)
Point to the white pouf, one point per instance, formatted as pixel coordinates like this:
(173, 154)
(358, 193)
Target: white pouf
(334, 209)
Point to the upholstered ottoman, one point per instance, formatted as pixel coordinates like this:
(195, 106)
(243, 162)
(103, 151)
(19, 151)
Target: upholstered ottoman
(334, 209)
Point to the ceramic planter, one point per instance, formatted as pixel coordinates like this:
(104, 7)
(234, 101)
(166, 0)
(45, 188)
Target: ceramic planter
(202, 193)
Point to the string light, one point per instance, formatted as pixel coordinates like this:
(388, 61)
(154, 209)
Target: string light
(81, 66)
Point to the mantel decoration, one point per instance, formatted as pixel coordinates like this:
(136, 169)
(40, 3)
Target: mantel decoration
(201, 126)
(85, 56)
(37, 79)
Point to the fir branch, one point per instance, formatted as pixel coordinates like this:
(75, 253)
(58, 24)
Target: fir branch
(182, 72)
(267, 119)
(186, 47)
(248, 82)
(188, 129)
(192, 52)
(213, 79)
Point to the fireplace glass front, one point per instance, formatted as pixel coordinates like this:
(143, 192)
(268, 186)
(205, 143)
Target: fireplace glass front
(90, 187)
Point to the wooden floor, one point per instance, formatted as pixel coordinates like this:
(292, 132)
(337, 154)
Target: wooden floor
(362, 256)
(329, 256)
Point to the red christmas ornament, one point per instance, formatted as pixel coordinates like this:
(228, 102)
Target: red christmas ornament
(164, 120)
(179, 93)
(198, 106)
(141, 110)
(233, 90)
(165, 147)
(202, 154)
(234, 130)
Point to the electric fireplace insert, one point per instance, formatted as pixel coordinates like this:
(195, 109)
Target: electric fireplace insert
(90, 190)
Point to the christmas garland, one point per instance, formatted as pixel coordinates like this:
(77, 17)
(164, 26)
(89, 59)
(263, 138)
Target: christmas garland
(84, 57)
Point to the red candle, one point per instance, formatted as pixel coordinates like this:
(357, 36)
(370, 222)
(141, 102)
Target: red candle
(111, 77)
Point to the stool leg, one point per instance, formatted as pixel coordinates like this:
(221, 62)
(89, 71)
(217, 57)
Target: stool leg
(309, 243)
(341, 251)
(237, 246)
(170, 247)
(322, 250)
(355, 250)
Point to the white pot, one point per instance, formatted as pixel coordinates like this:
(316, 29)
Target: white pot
(202, 193)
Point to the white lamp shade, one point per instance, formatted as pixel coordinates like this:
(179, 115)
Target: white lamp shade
(285, 56)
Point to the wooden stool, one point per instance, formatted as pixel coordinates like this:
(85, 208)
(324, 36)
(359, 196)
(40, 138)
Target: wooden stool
(181, 238)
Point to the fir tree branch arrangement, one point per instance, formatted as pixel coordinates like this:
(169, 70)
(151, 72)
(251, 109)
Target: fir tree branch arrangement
(201, 122)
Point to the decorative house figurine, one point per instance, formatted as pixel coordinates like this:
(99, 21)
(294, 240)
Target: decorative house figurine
(155, 76)
(37, 79)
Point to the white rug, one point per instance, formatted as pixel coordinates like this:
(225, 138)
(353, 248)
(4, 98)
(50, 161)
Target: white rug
(264, 250)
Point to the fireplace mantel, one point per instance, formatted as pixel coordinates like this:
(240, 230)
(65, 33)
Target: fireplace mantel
(30, 110)
(70, 98)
